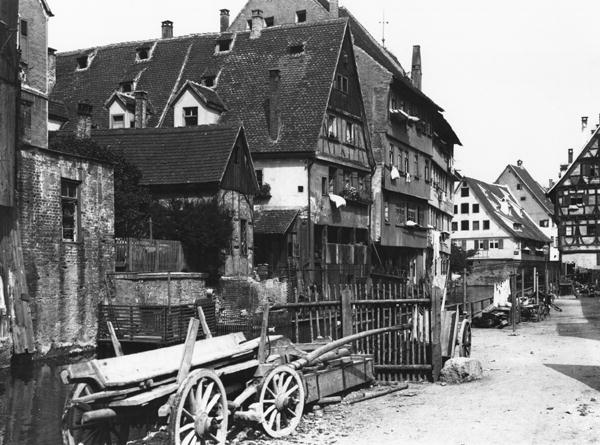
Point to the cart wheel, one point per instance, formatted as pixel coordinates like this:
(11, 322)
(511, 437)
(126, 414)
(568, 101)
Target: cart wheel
(105, 432)
(282, 401)
(200, 415)
(464, 339)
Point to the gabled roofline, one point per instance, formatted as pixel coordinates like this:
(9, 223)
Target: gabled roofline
(192, 87)
(46, 7)
(586, 147)
(241, 133)
(514, 170)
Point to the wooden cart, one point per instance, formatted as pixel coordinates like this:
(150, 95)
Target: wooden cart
(201, 386)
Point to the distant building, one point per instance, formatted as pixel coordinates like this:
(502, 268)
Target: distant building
(576, 198)
(532, 197)
(490, 221)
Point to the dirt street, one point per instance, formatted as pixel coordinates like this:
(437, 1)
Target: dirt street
(539, 387)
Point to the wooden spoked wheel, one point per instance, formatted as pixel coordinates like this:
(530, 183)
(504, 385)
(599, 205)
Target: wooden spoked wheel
(200, 410)
(103, 432)
(464, 339)
(282, 401)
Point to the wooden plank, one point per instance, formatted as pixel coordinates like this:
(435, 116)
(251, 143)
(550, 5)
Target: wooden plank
(436, 347)
(114, 340)
(262, 354)
(203, 323)
(188, 350)
(346, 312)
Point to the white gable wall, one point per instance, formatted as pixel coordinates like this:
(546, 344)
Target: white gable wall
(206, 116)
(116, 108)
(495, 232)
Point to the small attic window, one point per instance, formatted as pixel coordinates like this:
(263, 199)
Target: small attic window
(127, 87)
(82, 62)
(249, 24)
(296, 49)
(269, 21)
(143, 53)
(517, 226)
(301, 16)
(224, 45)
(208, 81)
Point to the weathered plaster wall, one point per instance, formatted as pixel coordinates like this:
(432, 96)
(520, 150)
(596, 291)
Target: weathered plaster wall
(115, 109)
(65, 278)
(238, 262)
(282, 11)
(285, 176)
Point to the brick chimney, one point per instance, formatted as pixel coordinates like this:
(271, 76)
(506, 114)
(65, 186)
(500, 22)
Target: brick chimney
(334, 9)
(570, 158)
(141, 108)
(167, 29)
(257, 23)
(51, 69)
(84, 121)
(224, 19)
(274, 79)
(415, 72)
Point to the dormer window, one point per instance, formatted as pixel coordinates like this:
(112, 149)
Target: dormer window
(296, 49)
(143, 53)
(249, 24)
(190, 116)
(517, 226)
(208, 81)
(127, 87)
(301, 16)
(224, 45)
(82, 62)
(269, 21)
(117, 121)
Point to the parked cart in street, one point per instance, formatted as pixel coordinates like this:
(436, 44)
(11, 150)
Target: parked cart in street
(200, 387)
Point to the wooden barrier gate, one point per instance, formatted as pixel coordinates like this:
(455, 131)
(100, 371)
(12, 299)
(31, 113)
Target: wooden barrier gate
(413, 353)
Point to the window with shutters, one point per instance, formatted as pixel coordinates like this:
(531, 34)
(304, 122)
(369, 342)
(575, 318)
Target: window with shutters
(69, 192)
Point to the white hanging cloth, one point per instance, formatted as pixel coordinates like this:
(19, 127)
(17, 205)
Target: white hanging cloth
(337, 200)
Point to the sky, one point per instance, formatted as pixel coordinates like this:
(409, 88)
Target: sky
(513, 76)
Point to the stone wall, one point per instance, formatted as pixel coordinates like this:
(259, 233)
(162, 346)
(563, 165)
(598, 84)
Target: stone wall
(154, 288)
(66, 279)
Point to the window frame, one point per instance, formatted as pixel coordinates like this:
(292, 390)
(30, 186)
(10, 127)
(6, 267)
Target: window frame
(186, 116)
(464, 223)
(113, 120)
(67, 199)
(298, 16)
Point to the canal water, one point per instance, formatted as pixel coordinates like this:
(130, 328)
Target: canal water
(32, 398)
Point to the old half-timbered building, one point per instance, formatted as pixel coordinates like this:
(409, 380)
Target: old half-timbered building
(576, 198)
(413, 146)
(296, 90)
(196, 163)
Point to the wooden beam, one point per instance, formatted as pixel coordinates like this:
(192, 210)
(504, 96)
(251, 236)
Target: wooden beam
(203, 323)
(188, 350)
(114, 340)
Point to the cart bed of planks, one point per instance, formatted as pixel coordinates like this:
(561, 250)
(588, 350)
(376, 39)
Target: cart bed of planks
(201, 386)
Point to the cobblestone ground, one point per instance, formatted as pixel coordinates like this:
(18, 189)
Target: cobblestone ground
(540, 386)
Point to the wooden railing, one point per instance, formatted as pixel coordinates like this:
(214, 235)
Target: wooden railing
(145, 255)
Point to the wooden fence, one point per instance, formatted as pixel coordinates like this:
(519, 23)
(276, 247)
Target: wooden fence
(145, 255)
(341, 310)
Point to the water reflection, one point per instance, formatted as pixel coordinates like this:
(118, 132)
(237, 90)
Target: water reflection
(32, 398)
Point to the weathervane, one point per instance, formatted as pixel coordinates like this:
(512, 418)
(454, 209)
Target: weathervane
(383, 23)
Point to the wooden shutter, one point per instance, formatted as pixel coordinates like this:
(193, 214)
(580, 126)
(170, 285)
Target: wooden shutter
(500, 244)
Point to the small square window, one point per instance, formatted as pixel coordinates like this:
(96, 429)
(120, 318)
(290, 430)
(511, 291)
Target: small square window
(190, 116)
(519, 187)
(82, 62)
(269, 21)
(117, 121)
(454, 226)
(126, 87)
(296, 49)
(224, 45)
(341, 83)
(464, 208)
(300, 188)
(301, 16)
(475, 225)
(464, 191)
(486, 224)
(464, 225)
(143, 53)
(24, 28)
(523, 198)
(475, 208)
(544, 223)
(208, 81)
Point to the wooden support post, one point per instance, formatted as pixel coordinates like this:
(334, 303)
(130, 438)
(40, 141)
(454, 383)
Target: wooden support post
(262, 346)
(114, 340)
(522, 291)
(203, 323)
(513, 307)
(535, 286)
(465, 309)
(346, 312)
(436, 327)
(188, 350)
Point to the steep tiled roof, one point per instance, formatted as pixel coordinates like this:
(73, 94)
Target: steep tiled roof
(273, 221)
(534, 187)
(168, 156)
(363, 39)
(209, 96)
(242, 82)
(493, 197)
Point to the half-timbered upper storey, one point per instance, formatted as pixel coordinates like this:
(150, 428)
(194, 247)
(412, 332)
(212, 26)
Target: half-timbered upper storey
(576, 198)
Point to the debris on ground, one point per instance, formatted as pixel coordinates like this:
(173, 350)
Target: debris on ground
(461, 369)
